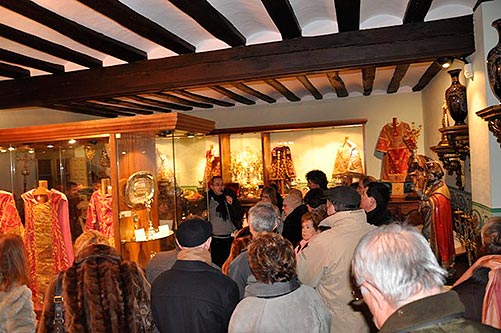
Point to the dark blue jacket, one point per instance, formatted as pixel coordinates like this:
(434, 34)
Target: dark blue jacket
(193, 297)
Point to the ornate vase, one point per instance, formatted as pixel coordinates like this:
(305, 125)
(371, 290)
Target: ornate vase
(494, 63)
(455, 97)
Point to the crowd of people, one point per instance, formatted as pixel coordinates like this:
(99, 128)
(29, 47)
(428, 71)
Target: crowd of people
(333, 261)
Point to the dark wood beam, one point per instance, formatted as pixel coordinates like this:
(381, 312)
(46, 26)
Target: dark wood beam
(162, 104)
(308, 85)
(98, 107)
(413, 42)
(202, 98)
(139, 24)
(146, 109)
(430, 73)
(338, 84)
(232, 95)
(398, 75)
(282, 14)
(51, 48)
(416, 10)
(347, 14)
(283, 90)
(82, 110)
(16, 58)
(184, 101)
(154, 97)
(120, 110)
(108, 104)
(251, 91)
(14, 72)
(211, 20)
(368, 75)
(75, 31)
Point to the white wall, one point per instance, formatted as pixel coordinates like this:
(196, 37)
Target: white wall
(38, 116)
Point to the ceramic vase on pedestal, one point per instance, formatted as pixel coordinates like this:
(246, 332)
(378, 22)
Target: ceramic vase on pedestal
(494, 63)
(455, 97)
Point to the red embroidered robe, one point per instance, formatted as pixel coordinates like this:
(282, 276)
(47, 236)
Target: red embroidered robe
(47, 239)
(396, 152)
(10, 222)
(100, 215)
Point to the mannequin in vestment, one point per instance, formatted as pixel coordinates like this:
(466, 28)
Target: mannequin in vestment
(10, 222)
(348, 160)
(47, 237)
(100, 211)
(396, 153)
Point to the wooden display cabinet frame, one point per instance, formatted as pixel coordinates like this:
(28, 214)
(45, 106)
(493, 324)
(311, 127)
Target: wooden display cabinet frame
(111, 128)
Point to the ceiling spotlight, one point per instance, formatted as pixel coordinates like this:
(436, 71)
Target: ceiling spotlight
(190, 135)
(50, 146)
(11, 148)
(72, 141)
(445, 62)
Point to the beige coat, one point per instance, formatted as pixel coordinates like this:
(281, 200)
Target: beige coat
(325, 264)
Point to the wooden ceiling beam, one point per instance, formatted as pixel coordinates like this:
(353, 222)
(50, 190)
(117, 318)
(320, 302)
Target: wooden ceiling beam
(184, 101)
(155, 99)
(251, 91)
(99, 107)
(167, 106)
(82, 110)
(16, 58)
(368, 76)
(282, 14)
(232, 95)
(51, 48)
(211, 20)
(428, 75)
(347, 14)
(416, 10)
(338, 84)
(75, 31)
(398, 75)
(145, 109)
(139, 24)
(202, 98)
(413, 42)
(14, 72)
(311, 88)
(283, 90)
(109, 105)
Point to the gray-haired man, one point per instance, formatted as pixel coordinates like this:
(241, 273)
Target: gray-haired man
(402, 284)
(261, 217)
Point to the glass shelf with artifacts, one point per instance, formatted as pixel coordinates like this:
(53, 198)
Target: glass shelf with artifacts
(256, 156)
(95, 167)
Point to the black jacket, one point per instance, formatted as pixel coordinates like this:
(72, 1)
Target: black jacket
(292, 225)
(193, 297)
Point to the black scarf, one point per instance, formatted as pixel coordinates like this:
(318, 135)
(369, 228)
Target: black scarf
(221, 200)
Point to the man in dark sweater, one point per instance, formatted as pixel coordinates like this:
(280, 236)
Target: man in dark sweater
(194, 296)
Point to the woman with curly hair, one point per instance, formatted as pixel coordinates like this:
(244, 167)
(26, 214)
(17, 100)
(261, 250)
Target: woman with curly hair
(277, 301)
(16, 306)
(101, 292)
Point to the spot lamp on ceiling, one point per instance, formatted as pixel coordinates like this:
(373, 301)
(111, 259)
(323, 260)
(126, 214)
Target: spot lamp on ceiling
(445, 62)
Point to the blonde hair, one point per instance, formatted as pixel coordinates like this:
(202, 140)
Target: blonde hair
(89, 237)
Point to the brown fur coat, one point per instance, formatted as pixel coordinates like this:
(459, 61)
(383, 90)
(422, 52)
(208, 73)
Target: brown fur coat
(101, 294)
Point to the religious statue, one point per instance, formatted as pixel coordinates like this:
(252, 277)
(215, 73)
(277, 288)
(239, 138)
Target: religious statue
(435, 208)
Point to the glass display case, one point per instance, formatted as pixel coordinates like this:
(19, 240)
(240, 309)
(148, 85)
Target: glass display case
(130, 178)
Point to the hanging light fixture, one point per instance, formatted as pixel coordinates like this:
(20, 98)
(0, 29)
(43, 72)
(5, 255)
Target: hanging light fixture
(445, 62)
